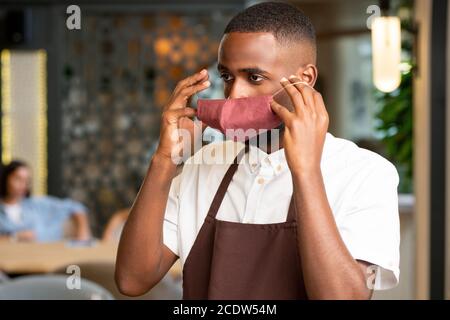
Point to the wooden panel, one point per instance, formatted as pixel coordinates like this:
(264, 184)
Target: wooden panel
(422, 148)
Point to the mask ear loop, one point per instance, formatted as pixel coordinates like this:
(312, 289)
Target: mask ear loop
(290, 84)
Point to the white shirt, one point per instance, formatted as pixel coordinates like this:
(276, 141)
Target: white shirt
(361, 188)
(14, 212)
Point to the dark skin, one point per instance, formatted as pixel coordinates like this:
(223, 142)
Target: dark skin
(251, 64)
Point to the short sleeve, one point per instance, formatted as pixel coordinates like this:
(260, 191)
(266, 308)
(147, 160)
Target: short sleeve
(48, 215)
(370, 225)
(170, 224)
(64, 207)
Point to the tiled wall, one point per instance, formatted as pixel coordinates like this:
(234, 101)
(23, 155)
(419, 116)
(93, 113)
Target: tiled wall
(119, 70)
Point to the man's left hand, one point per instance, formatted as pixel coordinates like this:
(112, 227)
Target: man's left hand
(305, 127)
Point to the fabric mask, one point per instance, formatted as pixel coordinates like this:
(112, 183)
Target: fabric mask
(243, 118)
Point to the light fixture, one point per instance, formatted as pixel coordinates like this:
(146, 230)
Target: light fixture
(386, 51)
(24, 111)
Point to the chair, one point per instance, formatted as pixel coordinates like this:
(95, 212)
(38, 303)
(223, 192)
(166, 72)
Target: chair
(3, 277)
(51, 287)
(103, 273)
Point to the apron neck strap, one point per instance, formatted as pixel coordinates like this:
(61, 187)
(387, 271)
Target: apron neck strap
(217, 201)
(220, 194)
(291, 216)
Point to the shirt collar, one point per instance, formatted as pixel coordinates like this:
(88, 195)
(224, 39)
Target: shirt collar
(277, 160)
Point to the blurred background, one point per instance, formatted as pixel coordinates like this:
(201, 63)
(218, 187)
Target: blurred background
(82, 89)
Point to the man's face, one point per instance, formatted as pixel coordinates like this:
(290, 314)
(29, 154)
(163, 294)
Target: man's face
(252, 64)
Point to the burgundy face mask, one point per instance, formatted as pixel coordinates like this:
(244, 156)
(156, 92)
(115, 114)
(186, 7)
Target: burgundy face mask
(240, 118)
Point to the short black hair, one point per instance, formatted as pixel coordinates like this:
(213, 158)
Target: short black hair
(286, 22)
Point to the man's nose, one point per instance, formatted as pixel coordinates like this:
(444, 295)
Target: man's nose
(237, 91)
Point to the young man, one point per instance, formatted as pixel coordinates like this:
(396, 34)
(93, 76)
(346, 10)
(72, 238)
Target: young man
(310, 216)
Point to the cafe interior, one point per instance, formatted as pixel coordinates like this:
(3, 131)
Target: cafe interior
(82, 89)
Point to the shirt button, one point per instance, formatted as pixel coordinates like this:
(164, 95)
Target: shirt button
(254, 165)
(279, 168)
(268, 160)
(260, 180)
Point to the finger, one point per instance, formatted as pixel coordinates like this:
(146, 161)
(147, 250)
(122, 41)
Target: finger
(320, 105)
(296, 80)
(306, 91)
(282, 112)
(187, 92)
(194, 79)
(172, 116)
(318, 100)
(185, 112)
(294, 95)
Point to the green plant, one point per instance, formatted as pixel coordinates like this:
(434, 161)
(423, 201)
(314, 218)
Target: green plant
(395, 109)
(395, 124)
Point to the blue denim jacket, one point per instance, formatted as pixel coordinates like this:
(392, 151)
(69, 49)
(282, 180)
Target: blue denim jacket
(45, 215)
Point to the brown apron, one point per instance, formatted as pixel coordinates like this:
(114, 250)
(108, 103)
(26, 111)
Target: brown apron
(231, 260)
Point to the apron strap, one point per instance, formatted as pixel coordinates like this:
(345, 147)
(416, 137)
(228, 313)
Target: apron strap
(217, 201)
(292, 213)
(220, 194)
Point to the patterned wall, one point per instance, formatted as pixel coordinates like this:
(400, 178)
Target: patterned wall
(119, 70)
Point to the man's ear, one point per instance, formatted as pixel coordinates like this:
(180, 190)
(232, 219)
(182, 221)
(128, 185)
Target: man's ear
(308, 73)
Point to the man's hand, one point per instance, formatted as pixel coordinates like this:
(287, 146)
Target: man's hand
(329, 270)
(305, 127)
(176, 115)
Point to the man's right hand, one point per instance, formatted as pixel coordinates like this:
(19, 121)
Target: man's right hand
(176, 115)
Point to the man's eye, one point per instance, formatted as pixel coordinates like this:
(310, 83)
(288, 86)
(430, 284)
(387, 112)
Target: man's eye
(226, 77)
(256, 78)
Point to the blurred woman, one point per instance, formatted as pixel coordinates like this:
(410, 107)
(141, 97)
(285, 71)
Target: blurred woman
(27, 218)
(115, 225)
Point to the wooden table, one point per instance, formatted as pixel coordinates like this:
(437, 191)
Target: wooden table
(27, 258)
(23, 258)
